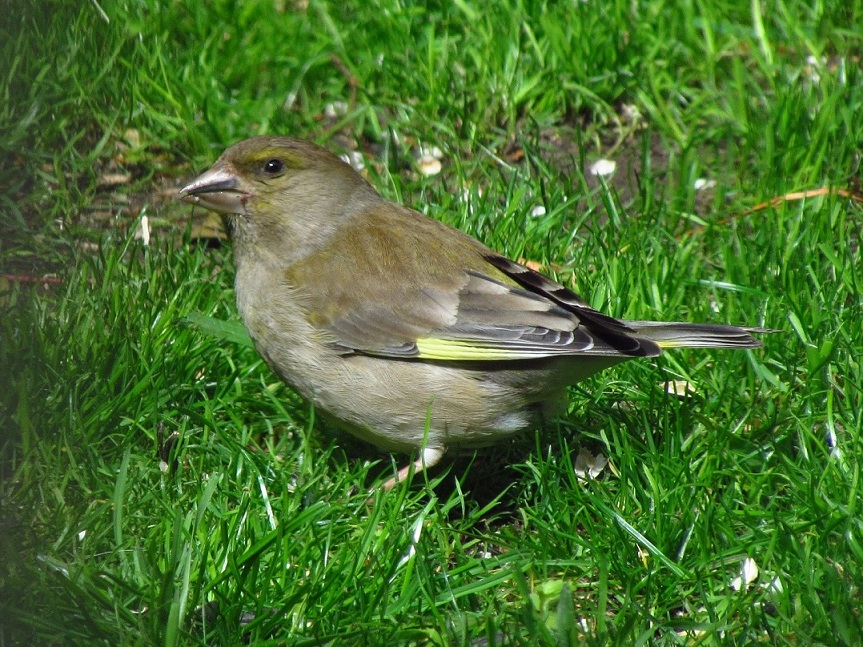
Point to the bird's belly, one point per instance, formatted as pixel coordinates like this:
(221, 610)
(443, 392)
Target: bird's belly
(403, 405)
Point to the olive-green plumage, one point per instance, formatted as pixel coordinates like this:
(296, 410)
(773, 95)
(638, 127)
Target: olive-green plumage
(407, 332)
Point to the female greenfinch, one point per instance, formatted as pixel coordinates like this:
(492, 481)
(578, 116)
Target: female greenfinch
(406, 332)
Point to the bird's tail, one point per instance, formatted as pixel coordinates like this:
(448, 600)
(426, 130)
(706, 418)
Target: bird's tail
(688, 335)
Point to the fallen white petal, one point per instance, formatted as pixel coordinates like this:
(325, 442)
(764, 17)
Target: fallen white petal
(335, 109)
(680, 388)
(774, 586)
(748, 574)
(355, 159)
(429, 165)
(589, 466)
(145, 230)
(430, 151)
(603, 167)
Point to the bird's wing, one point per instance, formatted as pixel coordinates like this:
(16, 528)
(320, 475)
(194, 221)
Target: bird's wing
(499, 321)
(470, 304)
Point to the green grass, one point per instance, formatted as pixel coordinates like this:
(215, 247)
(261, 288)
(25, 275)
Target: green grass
(161, 486)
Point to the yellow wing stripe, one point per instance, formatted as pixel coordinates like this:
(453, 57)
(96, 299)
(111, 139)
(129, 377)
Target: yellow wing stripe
(459, 351)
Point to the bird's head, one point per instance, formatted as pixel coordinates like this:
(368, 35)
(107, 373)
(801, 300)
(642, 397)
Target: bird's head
(280, 191)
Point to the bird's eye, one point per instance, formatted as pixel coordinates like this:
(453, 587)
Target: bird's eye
(274, 166)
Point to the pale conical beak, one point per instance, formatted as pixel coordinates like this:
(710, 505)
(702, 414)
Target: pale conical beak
(217, 190)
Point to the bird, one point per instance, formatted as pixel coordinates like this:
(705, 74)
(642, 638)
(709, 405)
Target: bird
(402, 330)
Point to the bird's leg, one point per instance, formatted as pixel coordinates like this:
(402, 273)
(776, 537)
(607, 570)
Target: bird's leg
(428, 457)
